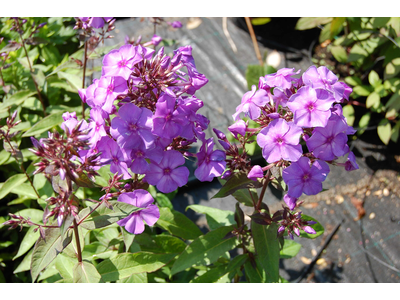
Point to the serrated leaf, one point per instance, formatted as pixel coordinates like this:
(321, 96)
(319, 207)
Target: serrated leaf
(215, 217)
(384, 131)
(85, 272)
(319, 229)
(266, 244)
(126, 264)
(27, 242)
(290, 249)
(305, 23)
(45, 124)
(11, 183)
(45, 251)
(178, 224)
(205, 250)
(235, 182)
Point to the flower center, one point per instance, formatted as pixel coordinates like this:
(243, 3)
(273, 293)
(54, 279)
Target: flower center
(133, 127)
(310, 106)
(122, 63)
(306, 177)
(329, 139)
(110, 89)
(167, 171)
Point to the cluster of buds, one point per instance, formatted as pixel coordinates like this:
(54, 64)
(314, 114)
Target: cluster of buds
(18, 26)
(5, 133)
(65, 161)
(160, 21)
(293, 223)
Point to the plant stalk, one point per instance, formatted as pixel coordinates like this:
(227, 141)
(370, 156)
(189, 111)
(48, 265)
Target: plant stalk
(254, 39)
(78, 243)
(264, 188)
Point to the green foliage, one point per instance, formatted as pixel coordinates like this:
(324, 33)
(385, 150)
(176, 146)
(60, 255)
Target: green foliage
(370, 46)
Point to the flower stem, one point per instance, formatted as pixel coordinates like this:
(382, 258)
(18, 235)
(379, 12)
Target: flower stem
(78, 243)
(33, 79)
(264, 188)
(254, 39)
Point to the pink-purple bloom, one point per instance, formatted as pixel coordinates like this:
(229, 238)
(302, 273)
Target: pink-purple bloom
(120, 62)
(169, 174)
(282, 79)
(113, 154)
(210, 163)
(280, 140)
(304, 177)
(311, 107)
(255, 173)
(150, 213)
(251, 104)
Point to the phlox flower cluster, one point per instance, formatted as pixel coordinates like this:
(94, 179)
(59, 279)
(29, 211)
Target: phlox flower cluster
(301, 129)
(144, 117)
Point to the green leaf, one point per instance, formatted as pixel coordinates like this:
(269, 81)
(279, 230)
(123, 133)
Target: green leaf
(28, 241)
(254, 274)
(211, 276)
(384, 131)
(65, 265)
(161, 244)
(163, 201)
(348, 113)
(25, 189)
(362, 90)
(373, 78)
(16, 98)
(70, 64)
(74, 80)
(236, 182)
(178, 224)
(45, 124)
(325, 33)
(237, 262)
(373, 100)
(290, 249)
(266, 244)
(336, 26)
(215, 217)
(85, 272)
(134, 278)
(45, 251)
(363, 124)
(205, 250)
(126, 264)
(104, 216)
(392, 68)
(35, 215)
(353, 80)
(357, 52)
(260, 21)
(246, 196)
(308, 23)
(339, 53)
(25, 264)
(11, 184)
(319, 229)
(395, 132)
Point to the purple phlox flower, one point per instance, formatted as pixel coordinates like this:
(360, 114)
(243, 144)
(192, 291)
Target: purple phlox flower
(281, 97)
(309, 230)
(120, 62)
(280, 140)
(311, 107)
(351, 163)
(239, 127)
(108, 88)
(96, 125)
(175, 24)
(87, 95)
(197, 79)
(98, 22)
(210, 163)
(282, 79)
(186, 56)
(140, 156)
(144, 52)
(70, 122)
(117, 157)
(132, 126)
(134, 222)
(255, 172)
(290, 201)
(301, 177)
(251, 103)
(326, 79)
(167, 122)
(337, 110)
(156, 39)
(169, 174)
(329, 142)
(196, 123)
